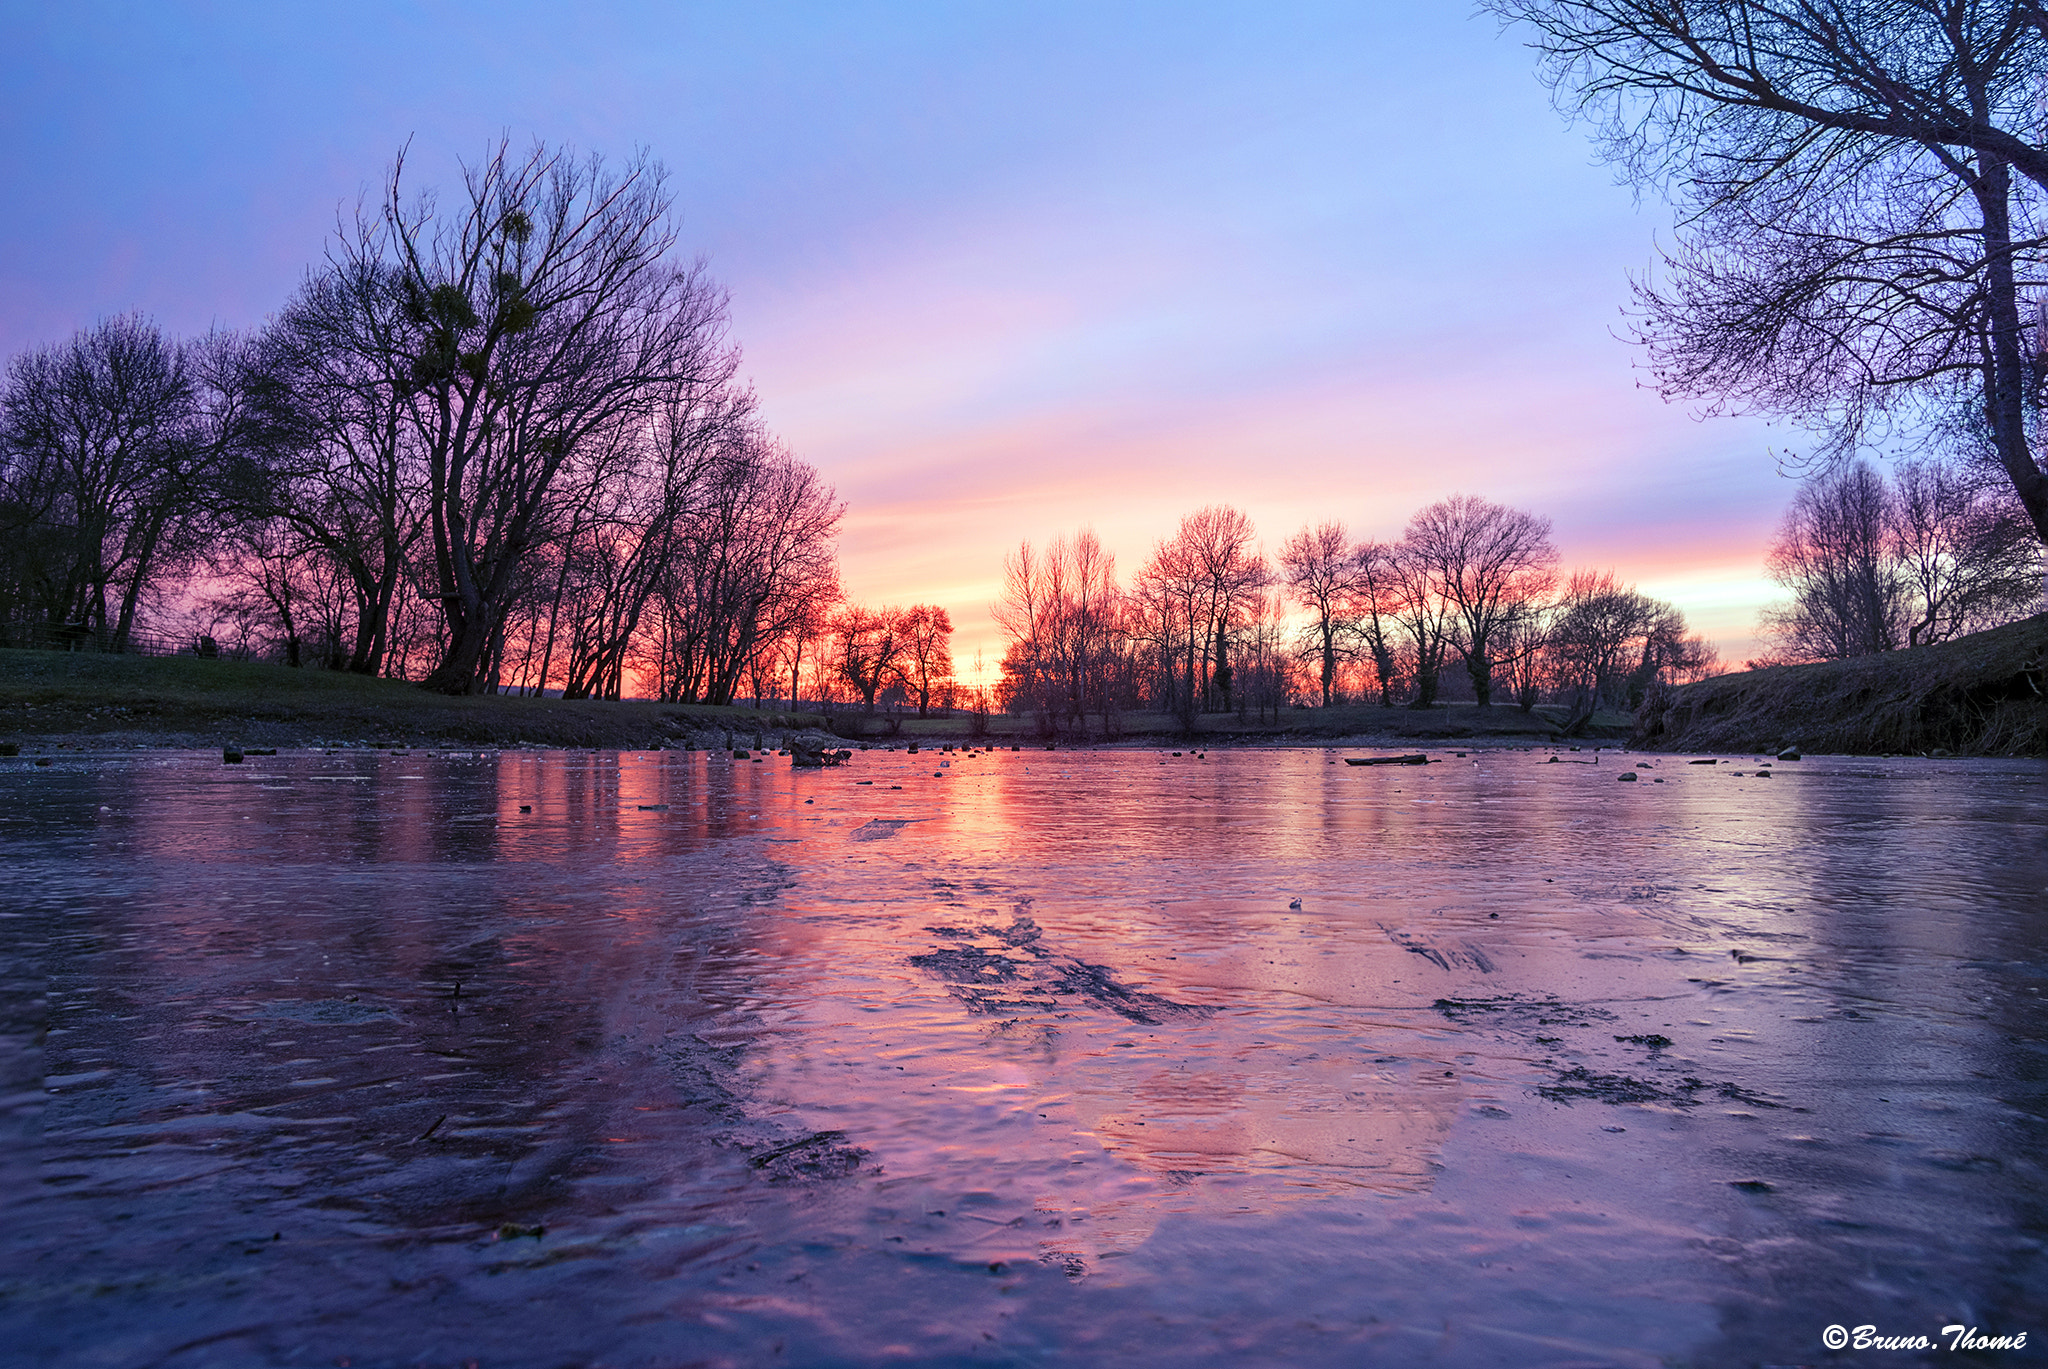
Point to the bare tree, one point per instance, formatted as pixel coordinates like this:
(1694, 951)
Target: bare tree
(106, 445)
(1596, 642)
(1680, 84)
(1322, 570)
(1069, 629)
(1856, 250)
(1027, 612)
(266, 572)
(1489, 564)
(1375, 609)
(1233, 578)
(926, 661)
(1848, 596)
(1092, 631)
(813, 630)
(1875, 565)
(1267, 670)
(869, 646)
(1171, 625)
(754, 573)
(1422, 615)
(1200, 586)
(1889, 310)
(543, 319)
(702, 442)
(338, 462)
(1969, 561)
(1521, 650)
(796, 580)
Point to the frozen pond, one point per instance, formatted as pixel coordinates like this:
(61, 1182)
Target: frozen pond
(1079, 1058)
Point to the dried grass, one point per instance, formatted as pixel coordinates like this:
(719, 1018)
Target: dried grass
(1984, 695)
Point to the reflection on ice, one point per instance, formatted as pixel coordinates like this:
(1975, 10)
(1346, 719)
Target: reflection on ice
(1108, 1057)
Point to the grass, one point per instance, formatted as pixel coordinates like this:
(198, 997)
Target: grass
(81, 698)
(186, 701)
(1984, 694)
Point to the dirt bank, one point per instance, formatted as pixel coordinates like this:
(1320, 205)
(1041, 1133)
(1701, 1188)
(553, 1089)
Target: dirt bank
(1978, 695)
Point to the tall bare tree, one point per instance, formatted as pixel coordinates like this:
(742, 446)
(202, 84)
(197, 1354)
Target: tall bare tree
(1026, 613)
(869, 646)
(1602, 632)
(635, 526)
(107, 444)
(926, 661)
(543, 320)
(292, 596)
(339, 462)
(1849, 598)
(1172, 624)
(1423, 616)
(1375, 610)
(795, 579)
(1200, 586)
(755, 576)
(1856, 250)
(1969, 561)
(1489, 564)
(1068, 624)
(1322, 571)
(1267, 671)
(1678, 84)
(1874, 565)
(805, 620)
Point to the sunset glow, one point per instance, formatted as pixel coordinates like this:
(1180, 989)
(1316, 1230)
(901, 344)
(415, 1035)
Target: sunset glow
(997, 277)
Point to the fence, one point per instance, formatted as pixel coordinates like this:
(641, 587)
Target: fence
(79, 637)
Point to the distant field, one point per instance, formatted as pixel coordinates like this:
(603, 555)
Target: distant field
(77, 699)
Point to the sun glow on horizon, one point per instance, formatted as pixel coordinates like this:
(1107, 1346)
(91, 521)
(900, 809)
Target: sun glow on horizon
(997, 280)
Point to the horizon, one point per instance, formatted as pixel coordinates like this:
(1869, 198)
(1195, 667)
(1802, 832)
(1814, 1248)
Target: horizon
(998, 277)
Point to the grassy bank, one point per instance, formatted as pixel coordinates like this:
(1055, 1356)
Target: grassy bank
(79, 699)
(1978, 695)
(87, 699)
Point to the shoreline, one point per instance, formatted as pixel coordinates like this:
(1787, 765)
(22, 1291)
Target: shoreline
(1977, 695)
(69, 700)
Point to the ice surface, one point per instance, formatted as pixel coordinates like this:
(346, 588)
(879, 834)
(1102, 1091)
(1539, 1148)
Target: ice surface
(343, 1058)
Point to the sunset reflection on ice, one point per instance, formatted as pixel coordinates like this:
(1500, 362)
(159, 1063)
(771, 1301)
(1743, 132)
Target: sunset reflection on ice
(1028, 1050)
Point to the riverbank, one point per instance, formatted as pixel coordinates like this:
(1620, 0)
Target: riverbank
(1980, 695)
(76, 700)
(69, 701)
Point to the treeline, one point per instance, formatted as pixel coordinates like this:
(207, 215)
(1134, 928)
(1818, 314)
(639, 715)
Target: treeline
(500, 442)
(1876, 562)
(496, 441)
(1209, 624)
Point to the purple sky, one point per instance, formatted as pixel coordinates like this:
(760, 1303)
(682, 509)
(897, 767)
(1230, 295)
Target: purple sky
(1000, 271)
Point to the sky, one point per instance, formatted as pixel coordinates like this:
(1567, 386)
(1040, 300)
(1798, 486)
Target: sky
(1000, 271)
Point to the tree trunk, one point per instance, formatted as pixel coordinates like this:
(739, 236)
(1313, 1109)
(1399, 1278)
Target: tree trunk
(1481, 670)
(134, 591)
(2004, 377)
(373, 623)
(469, 639)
